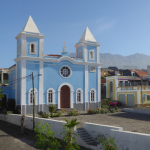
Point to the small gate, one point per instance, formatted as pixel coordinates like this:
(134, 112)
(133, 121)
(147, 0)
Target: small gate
(130, 100)
(122, 99)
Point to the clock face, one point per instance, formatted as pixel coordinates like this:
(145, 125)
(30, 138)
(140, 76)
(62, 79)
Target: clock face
(65, 71)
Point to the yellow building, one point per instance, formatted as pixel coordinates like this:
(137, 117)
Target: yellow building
(127, 89)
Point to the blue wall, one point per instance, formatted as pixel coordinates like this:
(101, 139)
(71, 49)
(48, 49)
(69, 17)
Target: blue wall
(28, 41)
(19, 41)
(93, 82)
(53, 79)
(11, 83)
(94, 48)
(80, 48)
(6, 90)
(32, 66)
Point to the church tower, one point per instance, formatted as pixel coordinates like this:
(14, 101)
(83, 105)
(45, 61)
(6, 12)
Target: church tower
(30, 41)
(87, 48)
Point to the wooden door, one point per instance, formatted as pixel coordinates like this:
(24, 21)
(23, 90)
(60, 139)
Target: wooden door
(65, 97)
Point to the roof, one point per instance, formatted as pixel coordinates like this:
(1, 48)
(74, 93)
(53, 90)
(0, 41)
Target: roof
(31, 26)
(87, 36)
(4, 68)
(103, 80)
(53, 55)
(139, 72)
(12, 66)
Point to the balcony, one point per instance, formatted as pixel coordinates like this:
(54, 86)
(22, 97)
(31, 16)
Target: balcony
(138, 87)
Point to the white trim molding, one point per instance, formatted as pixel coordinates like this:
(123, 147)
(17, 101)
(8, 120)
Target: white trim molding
(94, 95)
(79, 90)
(91, 52)
(86, 86)
(35, 94)
(53, 96)
(71, 94)
(35, 48)
(41, 85)
(99, 86)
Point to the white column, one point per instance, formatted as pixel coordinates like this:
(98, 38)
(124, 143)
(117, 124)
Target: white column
(86, 85)
(41, 48)
(85, 52)
(23, 85)
(58, 99)
(41, 85)
(23, 45)
(98, 61)
(99, 85)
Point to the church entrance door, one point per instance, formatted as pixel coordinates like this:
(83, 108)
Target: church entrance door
(65, 97)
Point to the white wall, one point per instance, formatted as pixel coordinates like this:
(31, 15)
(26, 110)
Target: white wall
(123, 139)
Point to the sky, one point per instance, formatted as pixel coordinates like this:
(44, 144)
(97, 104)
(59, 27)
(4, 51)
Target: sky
(120, 26)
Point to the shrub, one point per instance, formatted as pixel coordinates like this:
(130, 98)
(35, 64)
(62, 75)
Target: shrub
(40, 113)
(106, 101)
(58, 114)
(63, 111)
(45, 115)
(17, 110)
(104, 111)
(95, 111)
(73, 113)
(116, 108)
(11, 104)
(52, 109)
(99, 109)
(8, 112)
(46, 140)
(112, 110)
(104, 106)
(90, 111)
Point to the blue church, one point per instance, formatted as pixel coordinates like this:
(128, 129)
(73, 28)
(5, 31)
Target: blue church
(63, 81)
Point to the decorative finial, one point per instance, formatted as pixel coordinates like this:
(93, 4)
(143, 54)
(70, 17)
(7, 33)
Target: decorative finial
(64, 45)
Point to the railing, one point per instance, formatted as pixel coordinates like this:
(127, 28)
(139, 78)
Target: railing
(131, 84)
(133, 88)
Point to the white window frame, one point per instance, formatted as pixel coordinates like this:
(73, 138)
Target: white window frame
(81, 95)
(90, 55)
(14, 82)
(94, 96)
(35, 94)
(91, 68)
(53, 95)
(35, 48)
(80, 54)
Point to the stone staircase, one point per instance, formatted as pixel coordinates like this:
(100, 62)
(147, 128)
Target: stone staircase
(86, 137)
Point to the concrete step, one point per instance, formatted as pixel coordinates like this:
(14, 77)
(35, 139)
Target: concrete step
(86, 137)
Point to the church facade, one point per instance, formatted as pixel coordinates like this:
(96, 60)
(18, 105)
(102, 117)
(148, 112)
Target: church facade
(58, 79)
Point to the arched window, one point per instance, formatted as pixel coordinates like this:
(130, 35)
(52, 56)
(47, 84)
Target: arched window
(30, 97)
(91, 53)
(93, 95)
(79, 54)
(32, 48)
(79, 96)
(50, 96)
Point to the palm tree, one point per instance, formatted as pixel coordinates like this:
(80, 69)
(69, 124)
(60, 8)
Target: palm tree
(69, 134)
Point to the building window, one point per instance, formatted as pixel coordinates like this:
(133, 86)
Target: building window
(79, 96)
(79, 55)
(30, 97)
(92, 69)
(93, 96)
(65, 71)
(13, 82)
(91, 54)
(32, 48)
(148, 97)
(50, 96)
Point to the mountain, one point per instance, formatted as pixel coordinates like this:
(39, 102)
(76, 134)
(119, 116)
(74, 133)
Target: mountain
(139, 60)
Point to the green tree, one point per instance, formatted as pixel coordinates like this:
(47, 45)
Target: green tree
(1, 95)
(45, 137)
(69, 135)
(52, 109)
(108, 144)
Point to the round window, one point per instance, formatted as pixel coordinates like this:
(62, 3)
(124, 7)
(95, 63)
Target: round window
(65, 71)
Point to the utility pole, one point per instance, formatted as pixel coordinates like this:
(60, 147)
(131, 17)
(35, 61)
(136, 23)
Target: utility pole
(141, 91)
(33, 102)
